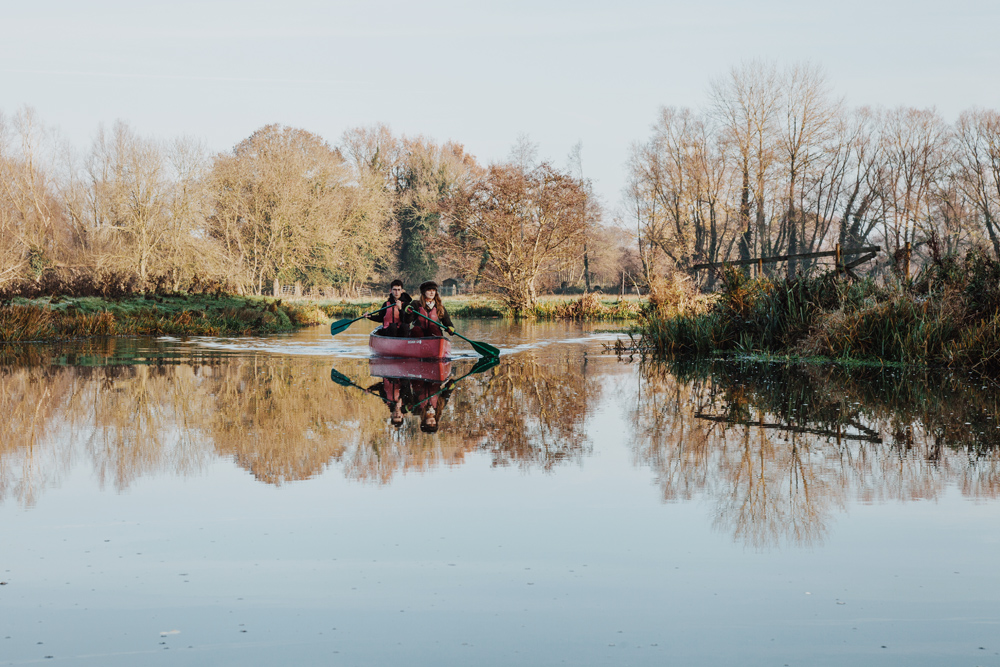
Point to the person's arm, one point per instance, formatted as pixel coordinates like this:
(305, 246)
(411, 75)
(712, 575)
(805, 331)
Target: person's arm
(446, 320)
(410, 312)
(378, 389)
(380, 314)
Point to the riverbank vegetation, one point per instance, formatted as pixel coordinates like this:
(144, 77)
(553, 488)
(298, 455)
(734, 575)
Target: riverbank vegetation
(947, 315)
(61, 318)
(776, 164)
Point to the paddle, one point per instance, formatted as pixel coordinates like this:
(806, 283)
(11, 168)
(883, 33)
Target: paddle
(484, 349)
(345, 381)
(483, 364)
(340, 325)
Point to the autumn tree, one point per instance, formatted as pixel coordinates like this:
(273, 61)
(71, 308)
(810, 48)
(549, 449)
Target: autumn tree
(808, 127)
(419, 178)
(429, 178)
(287, 206)
(684, 174)
(521, 221)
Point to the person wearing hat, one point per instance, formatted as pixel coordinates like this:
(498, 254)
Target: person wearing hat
(390, 316)
(429, 305)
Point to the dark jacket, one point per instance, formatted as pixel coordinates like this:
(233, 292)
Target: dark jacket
(402, 388)
(379, 316)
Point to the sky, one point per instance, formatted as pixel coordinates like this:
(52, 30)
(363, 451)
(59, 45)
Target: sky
(481, 74)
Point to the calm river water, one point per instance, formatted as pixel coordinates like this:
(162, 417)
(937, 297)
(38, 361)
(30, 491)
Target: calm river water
(251, 502)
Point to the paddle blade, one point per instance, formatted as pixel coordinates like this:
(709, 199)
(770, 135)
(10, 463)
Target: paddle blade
(340, 378)
(339, 326)
(484, 364)
(485, 349)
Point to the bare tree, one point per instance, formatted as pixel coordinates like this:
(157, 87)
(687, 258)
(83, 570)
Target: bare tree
(31, 215)
(130, 193)
(808, 114)
(746, 104)
(861, 209)
(977, 163)
(913, 144)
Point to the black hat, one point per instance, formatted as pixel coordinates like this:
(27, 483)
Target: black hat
(430, 284)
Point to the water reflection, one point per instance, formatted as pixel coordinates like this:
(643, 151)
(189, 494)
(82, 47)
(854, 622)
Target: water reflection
(779, 447)
(778, 450)
(280, 418)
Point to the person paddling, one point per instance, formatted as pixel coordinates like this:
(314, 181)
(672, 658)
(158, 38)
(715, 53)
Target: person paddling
(429, 305)
(392, 318)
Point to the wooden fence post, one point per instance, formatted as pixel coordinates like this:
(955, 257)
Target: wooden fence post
(838, 260)
(906, 262)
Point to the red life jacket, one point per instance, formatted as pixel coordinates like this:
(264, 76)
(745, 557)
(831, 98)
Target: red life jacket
(430, 328)
(391, 316)
(391, 390)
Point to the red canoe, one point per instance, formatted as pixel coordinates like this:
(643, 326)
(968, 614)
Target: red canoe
(432, 347)
(432, 370)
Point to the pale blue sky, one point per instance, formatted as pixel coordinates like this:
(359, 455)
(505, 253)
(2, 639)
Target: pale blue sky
(477, 73)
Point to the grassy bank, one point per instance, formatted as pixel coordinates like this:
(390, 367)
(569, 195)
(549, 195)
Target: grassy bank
(948, 315)
(61, 318)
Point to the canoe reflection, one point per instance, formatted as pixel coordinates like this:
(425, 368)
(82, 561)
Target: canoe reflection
(419, 387)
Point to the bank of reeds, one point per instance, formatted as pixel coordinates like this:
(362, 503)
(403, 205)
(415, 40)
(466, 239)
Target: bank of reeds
(61, 318)
(947, 315)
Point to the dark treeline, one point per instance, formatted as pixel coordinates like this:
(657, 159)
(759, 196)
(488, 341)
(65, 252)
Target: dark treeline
(284, 206)
(776, 164)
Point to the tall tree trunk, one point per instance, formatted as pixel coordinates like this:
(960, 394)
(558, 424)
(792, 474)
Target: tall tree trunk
(746, 237)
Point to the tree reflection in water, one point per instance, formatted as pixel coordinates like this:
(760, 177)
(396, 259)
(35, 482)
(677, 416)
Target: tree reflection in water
(779, 446)
(280, 418)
